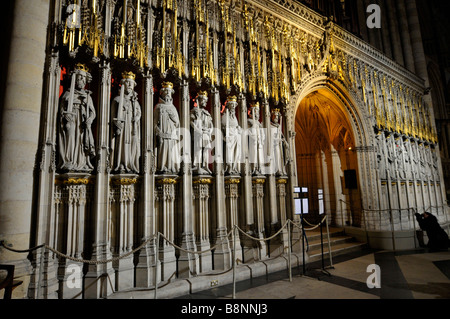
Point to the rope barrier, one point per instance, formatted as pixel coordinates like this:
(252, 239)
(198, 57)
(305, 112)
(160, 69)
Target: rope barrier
(190, 251)
(263, 239)
(80, 260)
(160, 235)
(2, 243)
(314, 226)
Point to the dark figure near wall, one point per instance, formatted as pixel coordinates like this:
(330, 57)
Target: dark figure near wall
(437, 237)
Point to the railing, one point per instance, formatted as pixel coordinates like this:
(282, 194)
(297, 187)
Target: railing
(233, 233)
(393, 220)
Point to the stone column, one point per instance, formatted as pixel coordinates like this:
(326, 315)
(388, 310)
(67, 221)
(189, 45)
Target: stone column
(384, 31)
(281, 195)
(291, 167)
(341, 207)
(47, 225)
(258, 205)
(271, 190)
(362, 18)
(405, 35)
(146, 267)
(165, 207)
(222, 254)
(96, 279)
(124, 195)
(394, 31)
(187, 263)
(415, 36)
(232, 209)
(246, 207)
(374, 35)
(20, 122)
(202, 220)
(76, 190)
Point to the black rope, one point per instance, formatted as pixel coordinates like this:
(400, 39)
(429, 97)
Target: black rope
(2, 243)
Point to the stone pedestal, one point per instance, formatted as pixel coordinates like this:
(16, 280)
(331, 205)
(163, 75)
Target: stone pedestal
(258, 210)
(99, 281)
(281, 196)
(201, 192)
(76, 191)
(232, 201)
(123, 198)
(147, 269)
(147, 266)
(165, 212)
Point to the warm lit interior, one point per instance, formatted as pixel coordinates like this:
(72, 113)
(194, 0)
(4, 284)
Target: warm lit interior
(326, 155)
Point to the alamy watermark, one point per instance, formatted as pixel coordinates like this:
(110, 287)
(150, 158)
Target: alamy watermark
(75, 276)
(374, 279)
(374, 19)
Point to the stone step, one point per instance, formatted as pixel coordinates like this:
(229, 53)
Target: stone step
(315, 243)
(336, 250)
(340, 243)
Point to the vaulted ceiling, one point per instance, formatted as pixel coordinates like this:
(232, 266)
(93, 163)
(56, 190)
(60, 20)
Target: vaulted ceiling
(321, 121)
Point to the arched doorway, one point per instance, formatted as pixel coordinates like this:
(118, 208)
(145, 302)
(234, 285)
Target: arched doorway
(326, 157)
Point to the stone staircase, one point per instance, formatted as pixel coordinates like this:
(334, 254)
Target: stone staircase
(340, 243)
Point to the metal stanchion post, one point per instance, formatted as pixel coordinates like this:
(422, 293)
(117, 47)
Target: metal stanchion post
(234, 262)
(303, 243)
(156, 265)
(289, 251)
(329, 244)
(392, 229)
(321, 243)
(41, 270)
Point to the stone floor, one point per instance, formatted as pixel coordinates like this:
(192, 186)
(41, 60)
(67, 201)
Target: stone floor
(417, 274)
(412, 284)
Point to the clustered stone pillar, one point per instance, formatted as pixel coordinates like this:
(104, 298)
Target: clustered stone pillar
(222, 253)
(165, 208)
(21, 115)
(202, 220)
(232, 200)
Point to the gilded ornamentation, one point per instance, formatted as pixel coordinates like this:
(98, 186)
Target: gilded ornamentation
(202, 181)
(125, 181)
(259, 181)
(167, 181)
(232, 181)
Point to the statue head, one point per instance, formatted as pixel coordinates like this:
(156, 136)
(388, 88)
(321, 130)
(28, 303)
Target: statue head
(276, 116)
(167, 91)
(128, 80)
(82, 76)
(202, 99)
(255, 111)
(232, 103)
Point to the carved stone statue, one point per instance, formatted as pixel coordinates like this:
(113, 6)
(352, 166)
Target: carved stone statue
(166, 123)
(77, 112)
(202, 127)
(256, 140)
(232, 136)
(400, 152)
(126, 113)
(381, 156)
(280, 146)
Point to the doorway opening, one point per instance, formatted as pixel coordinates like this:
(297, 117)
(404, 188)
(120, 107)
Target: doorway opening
(327, 161)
